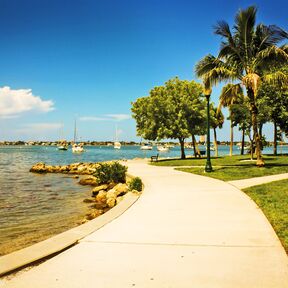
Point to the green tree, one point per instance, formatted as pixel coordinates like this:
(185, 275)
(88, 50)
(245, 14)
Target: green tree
(245, 54)
(173, 111)
(275, 100)
(240, 116)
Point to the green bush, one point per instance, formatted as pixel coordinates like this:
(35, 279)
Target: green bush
(111, 172)
(136, 184)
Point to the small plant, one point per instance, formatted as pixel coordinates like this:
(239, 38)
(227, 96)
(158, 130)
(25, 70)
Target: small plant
(111, 172)
(136, 184)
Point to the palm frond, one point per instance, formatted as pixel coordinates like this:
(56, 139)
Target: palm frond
(214, 70)
(272, 54)
(279, 78)
(231, 94)
(266, 36)
(244, 27)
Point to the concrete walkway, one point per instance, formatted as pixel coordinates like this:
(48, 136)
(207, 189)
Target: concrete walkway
(184, 231)
(245, 183)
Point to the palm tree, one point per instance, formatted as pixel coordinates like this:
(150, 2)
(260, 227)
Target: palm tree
(245, 54)
(231, 94)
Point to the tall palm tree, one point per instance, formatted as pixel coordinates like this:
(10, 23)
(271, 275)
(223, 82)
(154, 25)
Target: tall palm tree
(230, 94)
(245, 54)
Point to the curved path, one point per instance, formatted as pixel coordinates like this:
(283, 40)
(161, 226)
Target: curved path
(184, 231)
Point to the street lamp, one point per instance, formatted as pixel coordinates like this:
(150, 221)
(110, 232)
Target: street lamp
(208, 166)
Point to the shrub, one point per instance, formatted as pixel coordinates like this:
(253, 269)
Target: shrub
(136, 184)
(111, 172)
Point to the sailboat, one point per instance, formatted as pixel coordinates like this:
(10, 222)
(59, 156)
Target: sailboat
(62, 144)
(76, 147)
(117, 144)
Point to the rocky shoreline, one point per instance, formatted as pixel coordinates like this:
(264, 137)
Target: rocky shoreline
(103, 197)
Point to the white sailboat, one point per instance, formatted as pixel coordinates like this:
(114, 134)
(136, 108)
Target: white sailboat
(146, 146)
(77, 147)
(162, 148)
(117, 144)
(62, 144)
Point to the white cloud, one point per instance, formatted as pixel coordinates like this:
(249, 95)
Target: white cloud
(16, 102)
(92, 118)
(107, 117)
(118, 117)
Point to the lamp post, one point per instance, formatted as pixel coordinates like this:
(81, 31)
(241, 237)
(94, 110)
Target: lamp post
(208, 166)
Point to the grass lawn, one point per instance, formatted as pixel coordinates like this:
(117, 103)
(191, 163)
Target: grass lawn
(272, 198)
(231, 168)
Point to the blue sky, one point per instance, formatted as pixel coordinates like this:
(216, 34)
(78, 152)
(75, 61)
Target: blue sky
(89, 59)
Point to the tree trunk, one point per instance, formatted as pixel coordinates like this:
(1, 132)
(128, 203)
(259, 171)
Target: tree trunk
(260, 135)
(215, 142)
(231, 137)
(181, 140)
(243, 141)
(256, 136)
(275, 139)
(194, 144)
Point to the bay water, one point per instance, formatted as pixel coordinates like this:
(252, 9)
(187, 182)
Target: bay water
(35, 207)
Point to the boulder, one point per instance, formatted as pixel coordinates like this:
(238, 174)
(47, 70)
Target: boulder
(121, 188)
(90, 180)
(93, 214)
(88, 200)
(101, 196)
(39, 168)
(97, 189)
(111, 202)
(98, 205)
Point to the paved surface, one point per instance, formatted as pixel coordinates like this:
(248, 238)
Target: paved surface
(184, 231)
(241, 184)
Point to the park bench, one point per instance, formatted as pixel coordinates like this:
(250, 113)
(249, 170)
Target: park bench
(200, 153)
(154, 158)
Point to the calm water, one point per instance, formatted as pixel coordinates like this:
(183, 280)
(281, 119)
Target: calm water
(34, 207)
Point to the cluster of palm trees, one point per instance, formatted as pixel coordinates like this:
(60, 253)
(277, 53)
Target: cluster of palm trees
(247, 52)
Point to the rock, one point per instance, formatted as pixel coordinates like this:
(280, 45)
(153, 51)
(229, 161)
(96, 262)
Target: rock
(75, 176)
(121, 188)
(96, 190)
(90, 180)
(95, 213)
(98, 206)
(101, 196)
(88, 200)
(111, 202)
(39, 168)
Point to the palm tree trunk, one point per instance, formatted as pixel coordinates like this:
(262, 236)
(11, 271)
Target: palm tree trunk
(260, 135)
(256, 136)
(231, 137)
(275, 139)
(194, 144)
(181, 140)
(215, 142)
(243, 141)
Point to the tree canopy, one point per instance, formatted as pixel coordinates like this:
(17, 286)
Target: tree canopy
(173, 111)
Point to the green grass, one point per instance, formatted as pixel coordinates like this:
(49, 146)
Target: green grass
(235, 160)
(272, 198)
(231, 168)
(236, 173)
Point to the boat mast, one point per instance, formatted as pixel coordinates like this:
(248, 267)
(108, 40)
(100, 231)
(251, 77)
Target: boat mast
(75, 131)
